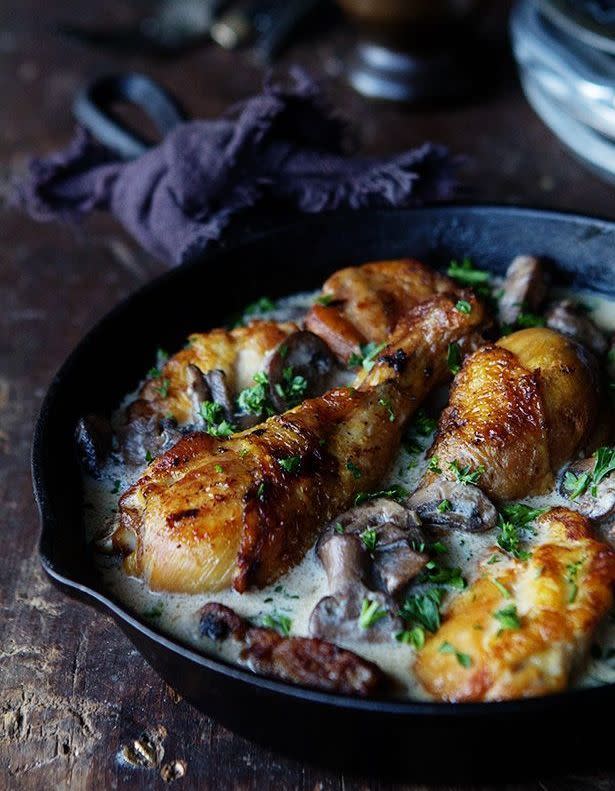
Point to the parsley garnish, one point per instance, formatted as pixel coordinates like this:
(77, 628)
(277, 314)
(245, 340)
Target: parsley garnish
(281, 623)
(371, 613)
(509, 539)
(154, 373)
(339, 528)
(414, 636)
(463, 306)
(453, 358)
(527, 319)
(116, 487)
(291, 388)
(604, 465)
(366, 356)
(155, 611)
(466, 475)
(444, 506)
(468, 275)
(572, 573)
(394, 492)
(386, 403)
(260, 492)
(423, 424)
(423, 609)
(508, 617)
(216, 425)
(352, 467)
(520, 513)
(369, 537)
(262, 305)
(576, 485)
(465, 660)
(434, 464)
(148, 456)
(290, 464)
(163, 388)
(439, 574)
(218, 468)
(502, 588)
(324, 299)
(255, 400)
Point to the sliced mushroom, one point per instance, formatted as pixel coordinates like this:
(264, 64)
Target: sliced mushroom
(454, 505)
(147, 436)
(370, 553)
(208, 386)
(525, 287)
(300, 660)
(566, 317)
(306, 355)
(596, 502)
(94, 440)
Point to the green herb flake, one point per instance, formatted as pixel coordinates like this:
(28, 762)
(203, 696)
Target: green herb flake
(467, 274)
(369, 537)
(386, 403)
(216, 425)
(154, 373)
(261, 305)
(366, 356)
(324, 299)
(292, 387)
(453, 357)
(116, 487)
(218, 468)
(423, 609)
(508, 617)
(394, 492)
(281, 623)
(290, 464)
(466, 475)
(352, 467)
(465, 660)
(434, 465)
(155, 611)
(438, 548)
(148, 456)
(414, 637)
(604, 464)
(509, 539)
(260, 492)
(439, 574)
(502, 588)
(371, 613)
(339, 528)
(163, 388)
(255, 400)
(463, 306)
(527, 319)
(572, 574)
(576, 485)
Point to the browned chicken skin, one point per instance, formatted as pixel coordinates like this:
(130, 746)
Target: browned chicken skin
(523, 627)
(368, 301)
(212, 512)
(518, 410)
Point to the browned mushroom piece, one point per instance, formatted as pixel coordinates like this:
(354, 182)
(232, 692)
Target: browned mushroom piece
(94, 440)
(524, 288)
(370, 554)
(566, 317)
(300, 660)
(301, 354)
(146, 436)
(454, 505)
(208, 386)
(596, 502)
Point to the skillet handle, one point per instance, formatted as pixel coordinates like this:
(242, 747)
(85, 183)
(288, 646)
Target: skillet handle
(93, 109)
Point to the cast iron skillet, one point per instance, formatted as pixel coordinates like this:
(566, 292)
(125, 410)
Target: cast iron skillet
(377, 734)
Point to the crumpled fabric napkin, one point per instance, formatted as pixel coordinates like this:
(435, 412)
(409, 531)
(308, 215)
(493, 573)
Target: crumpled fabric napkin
(281, 147)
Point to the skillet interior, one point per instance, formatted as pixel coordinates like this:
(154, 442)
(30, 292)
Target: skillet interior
(202, 294)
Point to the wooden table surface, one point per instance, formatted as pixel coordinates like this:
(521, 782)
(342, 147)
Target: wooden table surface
(74, 694)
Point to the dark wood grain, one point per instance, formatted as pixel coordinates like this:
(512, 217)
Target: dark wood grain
(74, 694)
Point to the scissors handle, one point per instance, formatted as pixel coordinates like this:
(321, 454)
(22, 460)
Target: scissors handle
(93, 108)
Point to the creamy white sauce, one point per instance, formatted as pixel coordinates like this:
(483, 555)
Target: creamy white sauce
(295, 594)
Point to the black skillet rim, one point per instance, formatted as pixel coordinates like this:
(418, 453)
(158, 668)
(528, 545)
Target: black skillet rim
(589, 697)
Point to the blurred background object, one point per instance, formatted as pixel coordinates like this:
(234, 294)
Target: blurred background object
(566, 56)
(415, 50)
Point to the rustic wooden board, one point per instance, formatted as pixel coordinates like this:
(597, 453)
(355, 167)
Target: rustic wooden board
(74, 695)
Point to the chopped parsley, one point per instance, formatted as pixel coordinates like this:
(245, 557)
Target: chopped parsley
(154, 373)
(576, 485)
(502, 588)
(255, 400)
(509, 539)
(290, 464)
(444, 506)
(218, 468)
(527, 319)
(352, 467)
(468, 275)
(508, 617)
(116, 487)
(434, 464)
(324, 299)
(155, 611)
(163, 388)
(423, 424)
(369, 537)
(439, 574)
(261, 305)
(465, 660)
(216, 425)
(572, 573)
(386, 403)
(281, 623)
(260, 492)
(604, 465)
(394, 492)
(414, 636)
(148, 456)
(520, 513)
(366, 356)
(463, 306)
(466, 475)
(371, 613)
(423, 609)
(339, 528)
(453, 357)
(292, 387)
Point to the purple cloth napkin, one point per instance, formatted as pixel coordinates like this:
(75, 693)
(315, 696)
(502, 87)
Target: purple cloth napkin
(282, 146)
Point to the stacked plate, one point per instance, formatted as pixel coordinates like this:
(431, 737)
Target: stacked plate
(565, 50)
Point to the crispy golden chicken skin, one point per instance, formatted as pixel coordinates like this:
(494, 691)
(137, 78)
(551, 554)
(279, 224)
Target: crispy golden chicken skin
(213, 512)
(368, 301)
(521, 629)
(238, 352)
(519, 409)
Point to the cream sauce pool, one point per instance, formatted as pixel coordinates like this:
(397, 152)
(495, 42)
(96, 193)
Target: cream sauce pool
(295, 594)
